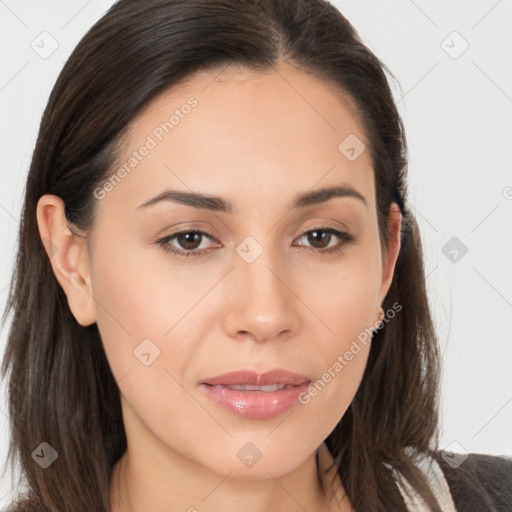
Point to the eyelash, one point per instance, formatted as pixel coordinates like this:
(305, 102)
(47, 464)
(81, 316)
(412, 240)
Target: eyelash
(345, 237)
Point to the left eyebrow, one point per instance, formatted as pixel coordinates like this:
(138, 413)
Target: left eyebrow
(215, 203)
(324, 194)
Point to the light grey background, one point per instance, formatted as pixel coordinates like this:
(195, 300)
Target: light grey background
(457, 108)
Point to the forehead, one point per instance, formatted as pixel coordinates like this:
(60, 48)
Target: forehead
(237, 130)
(237, 92)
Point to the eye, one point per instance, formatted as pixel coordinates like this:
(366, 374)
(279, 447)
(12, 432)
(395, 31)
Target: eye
(188, 243)
(320, 239)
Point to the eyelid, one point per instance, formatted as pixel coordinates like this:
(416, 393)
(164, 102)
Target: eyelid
(344, 236)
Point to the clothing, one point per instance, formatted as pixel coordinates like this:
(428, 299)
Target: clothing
(480, 483)
(431, 469)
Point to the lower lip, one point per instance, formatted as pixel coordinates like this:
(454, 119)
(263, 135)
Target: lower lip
(255, 405)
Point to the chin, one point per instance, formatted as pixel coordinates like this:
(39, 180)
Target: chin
(260, 460)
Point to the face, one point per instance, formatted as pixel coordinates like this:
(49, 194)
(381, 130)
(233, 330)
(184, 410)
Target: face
(257, 280)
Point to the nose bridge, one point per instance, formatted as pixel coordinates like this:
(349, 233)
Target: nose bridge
(261, 279)
(262, 303)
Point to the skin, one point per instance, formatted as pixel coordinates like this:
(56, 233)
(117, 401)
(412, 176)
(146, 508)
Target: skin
(256, 139)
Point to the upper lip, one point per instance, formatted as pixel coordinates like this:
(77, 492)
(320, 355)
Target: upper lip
(253, 378)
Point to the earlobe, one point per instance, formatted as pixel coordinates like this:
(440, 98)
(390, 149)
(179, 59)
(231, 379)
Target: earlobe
(68, 256)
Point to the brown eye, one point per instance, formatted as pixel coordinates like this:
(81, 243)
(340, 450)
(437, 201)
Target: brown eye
(185, 243)
(318, 240)
(189, 240)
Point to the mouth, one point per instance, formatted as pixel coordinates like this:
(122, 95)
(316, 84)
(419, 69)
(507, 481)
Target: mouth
(248, 387)
(253, 395)
(278, 377)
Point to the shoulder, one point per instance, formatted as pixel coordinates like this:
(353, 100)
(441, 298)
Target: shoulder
(478, 481)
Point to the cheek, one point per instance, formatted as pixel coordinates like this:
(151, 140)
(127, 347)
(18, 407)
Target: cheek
(340, 363)
(344, 295)
(342, 351)
(329, 396)
(143, 312)
(145, 316)
(344, 300)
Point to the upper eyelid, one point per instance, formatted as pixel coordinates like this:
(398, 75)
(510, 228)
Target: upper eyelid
(212, 237)
(202, 231)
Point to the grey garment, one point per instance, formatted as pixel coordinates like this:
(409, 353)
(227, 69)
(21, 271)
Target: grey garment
(480, 482)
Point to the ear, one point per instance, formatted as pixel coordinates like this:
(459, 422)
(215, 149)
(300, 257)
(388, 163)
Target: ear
(389, 261)
(68, 257)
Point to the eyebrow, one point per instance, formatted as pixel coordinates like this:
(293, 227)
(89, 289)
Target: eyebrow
(217, 204)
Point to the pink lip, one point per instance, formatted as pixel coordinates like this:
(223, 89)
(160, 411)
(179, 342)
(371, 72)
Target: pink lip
(255, 404)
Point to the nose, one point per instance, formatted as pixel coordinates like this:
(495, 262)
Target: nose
(263, 305)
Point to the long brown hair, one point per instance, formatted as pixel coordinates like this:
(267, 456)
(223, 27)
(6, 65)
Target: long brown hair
(60, 387)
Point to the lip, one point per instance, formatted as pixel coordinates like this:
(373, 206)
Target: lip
(253, 378)
(255, 404)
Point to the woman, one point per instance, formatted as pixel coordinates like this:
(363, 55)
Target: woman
(219, 297)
